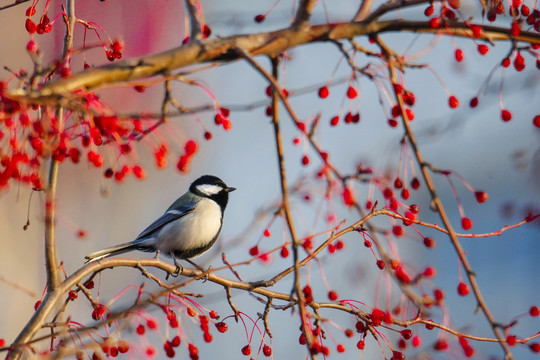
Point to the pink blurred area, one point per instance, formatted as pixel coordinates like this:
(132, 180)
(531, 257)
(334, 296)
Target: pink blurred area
(144, 27)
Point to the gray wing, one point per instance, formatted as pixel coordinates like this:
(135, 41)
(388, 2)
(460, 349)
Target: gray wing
(172, 213)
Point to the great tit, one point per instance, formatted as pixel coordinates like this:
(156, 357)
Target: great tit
(189, 227)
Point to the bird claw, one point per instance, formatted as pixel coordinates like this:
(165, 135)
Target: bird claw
(178, 270)
(200, 268)
(206, 273)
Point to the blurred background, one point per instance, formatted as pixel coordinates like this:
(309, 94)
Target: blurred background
(500, 158)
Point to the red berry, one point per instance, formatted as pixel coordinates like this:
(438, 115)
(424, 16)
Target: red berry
(380, 264)
(405, 194)
(139, 172)
(505, 62)
(323, 92)
(453, 102)
(351, 92)
(481, 196)
(466, 223)
(305, 160)
(191, 147)
(193, 352)
(140, 329)
(175, 342)
(340, 348)
(169, 349)
(259, 18)
(409, 98)
(30, 26)
(284, 252)
(332, 295)
(246, 350)
(151, 324)
(506, 115)
(397, 230)
(534, 311)
(254, 251)
(483, 49)
(123, 346)
(536, 121)
(435, 22)
(474, 102)
(511, 340)
(429, 242)
(429, 272)
(535, 347)
(221, 327)
(515, 30)
(206, 31)
(267, 350)
(459, 55)
(406, 334)
(428, 11)
(416, 341)
(415, 183)
(360, 326)
(441, 345)
(463, 289)
(334, 121)
(402, 275)
(377, 315)
(361, 345)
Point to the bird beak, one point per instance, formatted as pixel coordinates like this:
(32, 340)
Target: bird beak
(229, 189)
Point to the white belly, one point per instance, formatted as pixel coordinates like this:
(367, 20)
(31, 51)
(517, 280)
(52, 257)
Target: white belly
(191, 231)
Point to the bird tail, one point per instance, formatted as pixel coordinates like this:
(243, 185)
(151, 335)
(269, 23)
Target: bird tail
(114, 250)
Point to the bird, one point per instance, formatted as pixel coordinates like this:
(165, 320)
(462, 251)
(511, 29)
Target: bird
(187, 229)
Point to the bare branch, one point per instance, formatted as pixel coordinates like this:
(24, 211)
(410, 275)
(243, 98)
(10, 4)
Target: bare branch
(363, 10)
(304, 13)
(224, 49)
(196, 19)
(444, 217)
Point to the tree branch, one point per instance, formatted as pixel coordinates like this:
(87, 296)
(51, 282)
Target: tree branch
(224, 49)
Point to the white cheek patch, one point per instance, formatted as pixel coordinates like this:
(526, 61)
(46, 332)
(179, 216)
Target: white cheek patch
(209, 190)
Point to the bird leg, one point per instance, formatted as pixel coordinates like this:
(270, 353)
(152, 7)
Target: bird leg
(179, 267)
